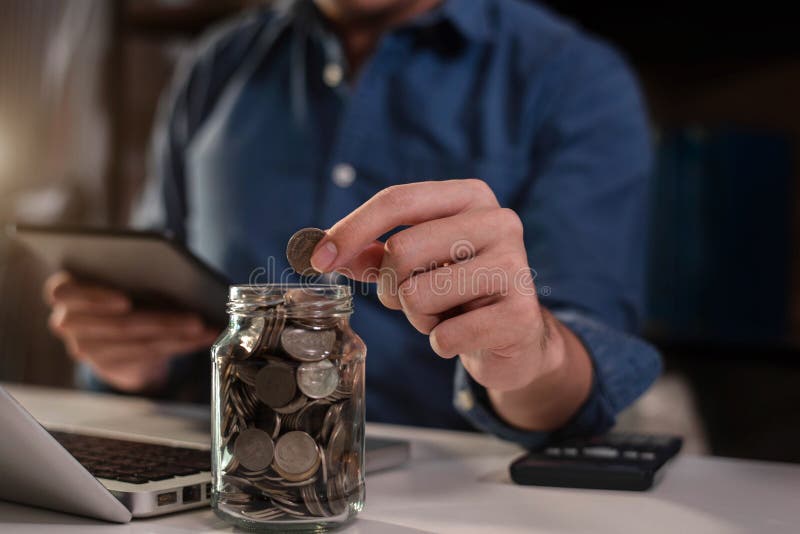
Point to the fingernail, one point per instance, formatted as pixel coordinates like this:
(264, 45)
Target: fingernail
(434, 343)
(324, 257)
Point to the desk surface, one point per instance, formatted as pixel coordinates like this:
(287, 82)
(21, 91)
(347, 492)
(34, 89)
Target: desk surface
(455, 482)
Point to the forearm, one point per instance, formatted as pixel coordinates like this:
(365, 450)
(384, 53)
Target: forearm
(550, 400)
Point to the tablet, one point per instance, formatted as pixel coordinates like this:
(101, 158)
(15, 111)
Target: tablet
(155, 270)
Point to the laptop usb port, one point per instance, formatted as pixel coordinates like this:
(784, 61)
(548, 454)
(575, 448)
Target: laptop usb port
(167, 498)
(191, 494)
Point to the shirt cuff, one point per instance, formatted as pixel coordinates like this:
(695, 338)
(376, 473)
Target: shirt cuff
(624, 367)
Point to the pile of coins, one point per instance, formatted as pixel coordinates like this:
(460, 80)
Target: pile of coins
(291, 412)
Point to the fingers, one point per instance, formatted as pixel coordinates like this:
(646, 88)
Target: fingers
(133, 377)
(103, 354)
(365, 267)
(484, 264)
(436, 292)
(429, 244)
(494, 327)
(129, 349)
(400, 205)
(62, 288)
(132, 326)
(449, 240)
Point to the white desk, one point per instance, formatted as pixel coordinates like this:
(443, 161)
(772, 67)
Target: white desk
(456, 482)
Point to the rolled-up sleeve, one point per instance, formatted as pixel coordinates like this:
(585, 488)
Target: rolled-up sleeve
(623, 364)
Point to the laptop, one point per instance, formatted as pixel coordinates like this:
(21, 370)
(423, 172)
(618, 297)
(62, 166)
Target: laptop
(114, 477)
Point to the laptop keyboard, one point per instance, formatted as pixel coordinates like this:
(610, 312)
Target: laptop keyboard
(134, 462)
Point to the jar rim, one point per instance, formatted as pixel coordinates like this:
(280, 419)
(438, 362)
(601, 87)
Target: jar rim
(250, 292)
(290, 300)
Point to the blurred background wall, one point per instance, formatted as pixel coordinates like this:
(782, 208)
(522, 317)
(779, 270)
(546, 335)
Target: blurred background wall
(79, 82)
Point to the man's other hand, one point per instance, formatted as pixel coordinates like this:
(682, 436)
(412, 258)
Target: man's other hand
(129, 349)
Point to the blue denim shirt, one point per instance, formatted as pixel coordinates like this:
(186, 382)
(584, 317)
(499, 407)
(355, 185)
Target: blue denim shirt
(262, 134)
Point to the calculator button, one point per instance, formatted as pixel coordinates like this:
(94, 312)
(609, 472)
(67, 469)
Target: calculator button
(648, 456)
(630, 455)
(660, 441)
(570, 451)
(552, 451)
(617, 439)
(600, 452)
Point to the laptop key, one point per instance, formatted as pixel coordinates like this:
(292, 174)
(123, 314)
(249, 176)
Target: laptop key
(130, 461)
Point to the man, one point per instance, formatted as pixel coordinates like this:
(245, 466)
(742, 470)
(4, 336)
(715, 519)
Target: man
(352, 115)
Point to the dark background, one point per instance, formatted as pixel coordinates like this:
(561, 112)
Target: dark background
(79, 81)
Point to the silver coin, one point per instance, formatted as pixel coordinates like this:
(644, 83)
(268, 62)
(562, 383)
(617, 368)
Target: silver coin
(300, 248)
(267, 420)
(309, 418)
(330, 419)
(251, 336)
(232, 465)
(296, 456)
(254, 449)
(275, 385)
(286, 484)
(312, 501)
(269, 330)
(231, 352)
(267, 514)
(287, 509)
(246, 374)
(235, 497)
(335, 493)
(338, 444)
(310, 310)
(351, 469)
(293, 406)
(308, 345)
(317, 379)
(324, 466)
(277, 322)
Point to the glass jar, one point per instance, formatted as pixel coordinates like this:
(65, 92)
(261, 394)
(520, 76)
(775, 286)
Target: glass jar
(288, 409)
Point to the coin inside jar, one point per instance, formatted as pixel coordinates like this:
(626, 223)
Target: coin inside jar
(308, 345)
(300, 248)
(275, 385)
(254, 449)
(250, 337)
(337, 444)
(296, 456)
(317, 379)
(233, 352)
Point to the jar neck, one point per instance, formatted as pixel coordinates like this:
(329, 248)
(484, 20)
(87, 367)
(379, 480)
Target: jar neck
(294, 301)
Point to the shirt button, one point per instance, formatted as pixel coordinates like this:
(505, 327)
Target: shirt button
(343, 175)
(464, 400)
(332, 74)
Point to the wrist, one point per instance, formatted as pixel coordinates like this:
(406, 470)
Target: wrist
(552, 398)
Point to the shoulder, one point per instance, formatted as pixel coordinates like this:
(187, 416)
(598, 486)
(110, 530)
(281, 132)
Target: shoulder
(230, 40)
(560, 68)
(222, 47)
(206, 67)
(545, 43)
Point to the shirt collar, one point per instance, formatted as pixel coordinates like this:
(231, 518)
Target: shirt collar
(468, 17)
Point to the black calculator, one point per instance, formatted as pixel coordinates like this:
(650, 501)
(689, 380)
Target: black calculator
(614, 461)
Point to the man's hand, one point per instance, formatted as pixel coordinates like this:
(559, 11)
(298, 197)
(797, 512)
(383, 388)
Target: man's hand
(460, 274)
(127, 348)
